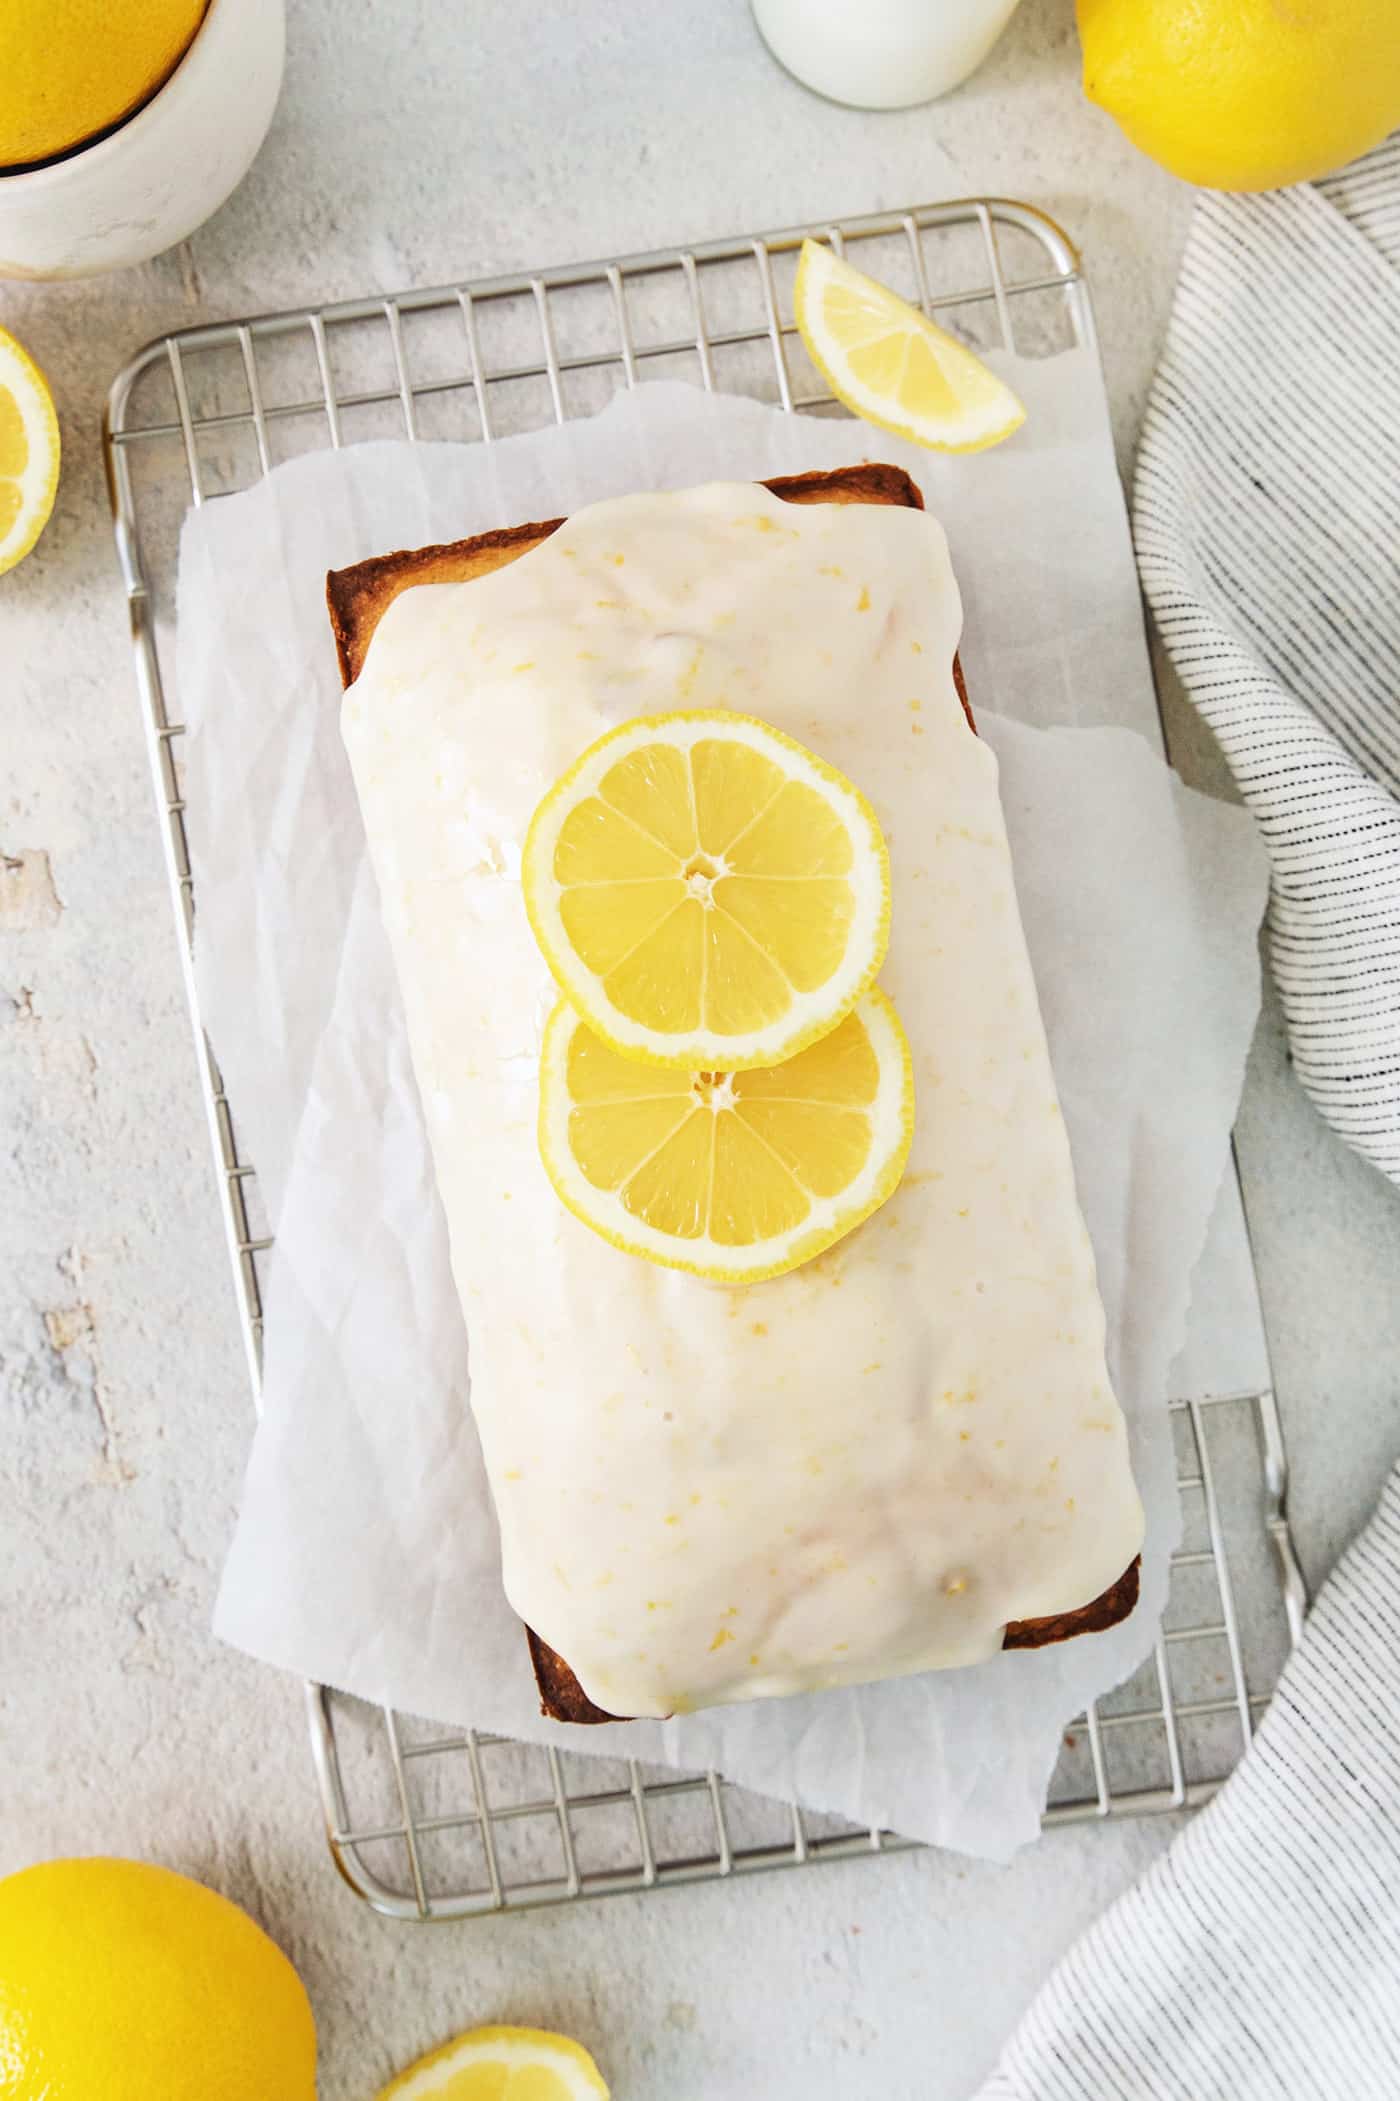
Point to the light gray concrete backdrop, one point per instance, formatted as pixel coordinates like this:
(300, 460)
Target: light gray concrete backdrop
(417, 143)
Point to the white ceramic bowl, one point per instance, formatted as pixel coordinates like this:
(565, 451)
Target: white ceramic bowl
(158, 176)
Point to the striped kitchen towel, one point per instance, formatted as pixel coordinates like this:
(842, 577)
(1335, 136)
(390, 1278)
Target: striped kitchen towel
(1267, 520)
(1259, 1959)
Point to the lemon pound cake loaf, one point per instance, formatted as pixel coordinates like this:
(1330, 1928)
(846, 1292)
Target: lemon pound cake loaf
(897, 1456)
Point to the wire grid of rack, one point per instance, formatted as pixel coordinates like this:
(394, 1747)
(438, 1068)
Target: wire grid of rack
(426, 1822)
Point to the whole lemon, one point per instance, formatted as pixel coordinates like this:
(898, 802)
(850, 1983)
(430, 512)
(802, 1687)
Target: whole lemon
(71, 68)
(127, 1982)
(1245, 94)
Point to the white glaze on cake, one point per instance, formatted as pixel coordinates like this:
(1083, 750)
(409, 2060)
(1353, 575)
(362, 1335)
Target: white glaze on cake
(870, 1465)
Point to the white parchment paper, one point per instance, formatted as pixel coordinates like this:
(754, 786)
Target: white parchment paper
(366, 1553)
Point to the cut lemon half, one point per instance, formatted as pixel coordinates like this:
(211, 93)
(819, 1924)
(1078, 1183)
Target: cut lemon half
(732, 1175)
(502, 2064)
(28, 452)
(706, 892)
(888, 363)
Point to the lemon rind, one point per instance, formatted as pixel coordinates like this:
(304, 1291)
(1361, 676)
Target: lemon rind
(697, 1051)
(876, 1184)
(871, 407)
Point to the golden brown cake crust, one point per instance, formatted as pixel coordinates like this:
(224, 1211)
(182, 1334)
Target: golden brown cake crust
(357, 599)
(1105, 1610)
(563, 1699)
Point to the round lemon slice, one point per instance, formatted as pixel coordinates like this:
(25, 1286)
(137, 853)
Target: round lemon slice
(28, 452)
(887, 362)
(502, 2064)
(732, 1175)
(706, 892)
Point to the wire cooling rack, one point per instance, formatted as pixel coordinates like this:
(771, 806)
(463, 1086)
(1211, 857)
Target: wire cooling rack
(430, 1823)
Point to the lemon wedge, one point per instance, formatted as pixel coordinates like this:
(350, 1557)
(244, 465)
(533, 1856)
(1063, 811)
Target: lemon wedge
(706, 892)
(28, 452)
(502, 2064)
(734, 1176)
(887, 362)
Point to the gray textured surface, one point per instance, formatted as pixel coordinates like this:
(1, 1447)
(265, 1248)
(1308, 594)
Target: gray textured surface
(413, 144)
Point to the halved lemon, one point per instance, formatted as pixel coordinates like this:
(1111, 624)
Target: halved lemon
(502, 2064)
(28, 452)
(890, 364)
(732, 1175)
(706, 892)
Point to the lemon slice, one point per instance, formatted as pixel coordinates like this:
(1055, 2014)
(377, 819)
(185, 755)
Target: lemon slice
(502, 2064)
(885, 361)
(28, 452)
(732, 1175)
(706, 892)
